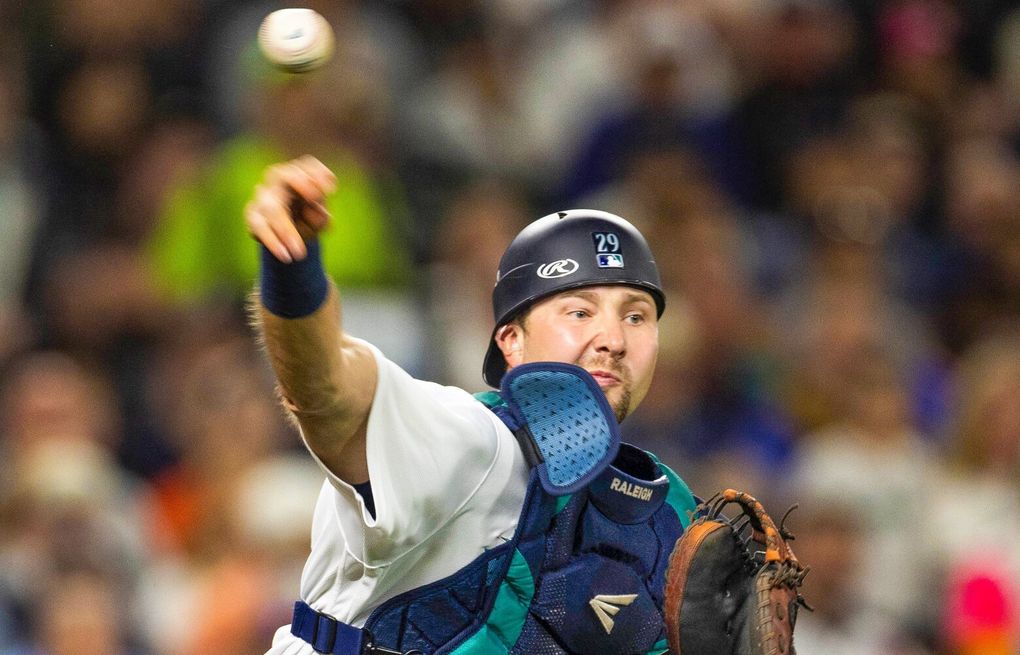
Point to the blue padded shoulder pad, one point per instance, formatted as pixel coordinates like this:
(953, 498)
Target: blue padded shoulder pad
(571, 431)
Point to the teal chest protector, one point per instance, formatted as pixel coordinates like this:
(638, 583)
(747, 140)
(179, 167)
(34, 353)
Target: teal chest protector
(585, 570)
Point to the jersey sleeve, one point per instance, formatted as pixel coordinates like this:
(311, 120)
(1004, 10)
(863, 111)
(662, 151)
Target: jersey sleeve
(431, 449)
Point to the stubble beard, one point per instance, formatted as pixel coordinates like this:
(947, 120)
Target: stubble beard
(622, 405)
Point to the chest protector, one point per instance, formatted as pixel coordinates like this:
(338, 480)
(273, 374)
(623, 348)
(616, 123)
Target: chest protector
(584, 572)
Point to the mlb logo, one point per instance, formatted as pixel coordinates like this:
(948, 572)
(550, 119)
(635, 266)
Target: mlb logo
(610, 260)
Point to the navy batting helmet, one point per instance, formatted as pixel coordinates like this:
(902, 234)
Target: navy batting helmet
(566, 250)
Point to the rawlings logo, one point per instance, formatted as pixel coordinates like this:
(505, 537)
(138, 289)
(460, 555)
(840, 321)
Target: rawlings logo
(558, 268)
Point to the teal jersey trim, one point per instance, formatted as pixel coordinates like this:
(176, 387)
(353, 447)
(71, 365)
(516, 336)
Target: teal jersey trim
(490, 399)
(506, 620)
(660, 648)
(680, 497)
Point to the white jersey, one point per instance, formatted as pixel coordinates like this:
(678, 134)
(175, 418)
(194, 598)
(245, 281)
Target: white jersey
(448, 480)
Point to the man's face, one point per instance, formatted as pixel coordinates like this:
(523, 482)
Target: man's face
(610, 331)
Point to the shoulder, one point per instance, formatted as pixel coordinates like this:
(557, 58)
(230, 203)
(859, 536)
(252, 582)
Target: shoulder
(413, 402)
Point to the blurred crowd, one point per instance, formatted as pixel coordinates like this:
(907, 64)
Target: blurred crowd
(832, 188)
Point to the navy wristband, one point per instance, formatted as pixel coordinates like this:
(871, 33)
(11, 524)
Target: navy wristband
(296, 289)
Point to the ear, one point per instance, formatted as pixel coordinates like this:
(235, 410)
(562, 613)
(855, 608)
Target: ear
(510, 339)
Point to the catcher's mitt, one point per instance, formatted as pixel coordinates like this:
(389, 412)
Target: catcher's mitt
(732, 586)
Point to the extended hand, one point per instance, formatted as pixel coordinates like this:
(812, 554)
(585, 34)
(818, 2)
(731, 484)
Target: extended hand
(287, 207)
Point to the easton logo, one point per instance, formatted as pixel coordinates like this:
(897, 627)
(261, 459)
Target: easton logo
(606, 607)
(630, 489)
(558, 268)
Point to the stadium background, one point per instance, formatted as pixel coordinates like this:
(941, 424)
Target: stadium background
(832, 188)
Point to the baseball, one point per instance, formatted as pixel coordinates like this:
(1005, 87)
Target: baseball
(296, 40)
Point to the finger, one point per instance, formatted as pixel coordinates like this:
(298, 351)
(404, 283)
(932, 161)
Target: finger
(315, 216)
(277, 212)
(272, 208)
(319, 172)
(295, 180)
(260, 230)
(306, 231)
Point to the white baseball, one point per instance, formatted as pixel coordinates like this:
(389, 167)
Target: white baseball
(296, 40)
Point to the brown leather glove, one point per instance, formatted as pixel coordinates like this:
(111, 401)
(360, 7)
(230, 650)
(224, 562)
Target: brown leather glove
(732, 586)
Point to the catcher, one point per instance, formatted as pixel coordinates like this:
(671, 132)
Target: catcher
(512, 522)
